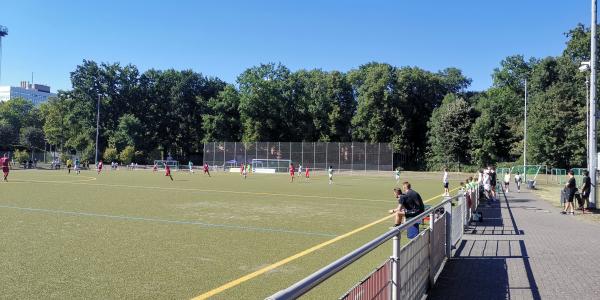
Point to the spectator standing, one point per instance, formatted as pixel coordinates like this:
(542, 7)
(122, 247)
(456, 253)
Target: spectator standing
(585, 191)
(570, 189)
(446, 183)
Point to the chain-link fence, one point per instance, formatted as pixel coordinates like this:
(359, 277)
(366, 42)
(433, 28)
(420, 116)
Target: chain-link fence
(352, 156)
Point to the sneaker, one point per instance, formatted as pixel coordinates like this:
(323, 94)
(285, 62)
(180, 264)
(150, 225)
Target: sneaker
(563, 212)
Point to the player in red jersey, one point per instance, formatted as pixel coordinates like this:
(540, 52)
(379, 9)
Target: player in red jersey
(5, 169)
(292, 172)
(307, 175)
(100, 165)
(206, 169)
(245, 170)
(168, 171)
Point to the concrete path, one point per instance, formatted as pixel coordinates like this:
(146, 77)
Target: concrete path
(524, 249)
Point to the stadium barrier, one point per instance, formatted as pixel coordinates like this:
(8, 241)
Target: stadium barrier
(413, 268)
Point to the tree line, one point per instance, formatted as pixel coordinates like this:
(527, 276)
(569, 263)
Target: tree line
(431, 119)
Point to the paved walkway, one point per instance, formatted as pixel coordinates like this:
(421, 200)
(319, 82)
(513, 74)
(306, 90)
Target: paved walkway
(524, 249)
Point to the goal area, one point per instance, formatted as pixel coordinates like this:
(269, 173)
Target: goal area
(270, 165)
(173, 164)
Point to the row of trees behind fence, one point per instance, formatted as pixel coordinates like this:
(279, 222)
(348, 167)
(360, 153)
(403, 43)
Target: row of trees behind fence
(430, 118)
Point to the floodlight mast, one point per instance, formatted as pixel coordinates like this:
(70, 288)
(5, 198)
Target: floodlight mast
(3, 33)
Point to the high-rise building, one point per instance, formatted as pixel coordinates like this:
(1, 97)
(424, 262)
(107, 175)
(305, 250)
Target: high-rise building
(36, 93)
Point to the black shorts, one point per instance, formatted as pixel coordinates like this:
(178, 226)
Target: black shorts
(571, 196)
(446, 185)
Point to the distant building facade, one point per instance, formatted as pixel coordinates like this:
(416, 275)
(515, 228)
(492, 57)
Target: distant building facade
(36, 93)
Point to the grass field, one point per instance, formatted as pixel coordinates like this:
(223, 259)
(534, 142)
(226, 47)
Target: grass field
(136, 234)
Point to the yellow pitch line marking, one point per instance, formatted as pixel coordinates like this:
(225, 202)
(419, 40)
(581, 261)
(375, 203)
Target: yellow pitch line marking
(293, 257)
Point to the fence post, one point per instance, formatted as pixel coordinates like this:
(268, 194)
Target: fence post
(326, 150)
(379, 157)
(431, 248)
(302, 152)
(449, 216)
(314, 155)
(214, 153)
(365, 157)
(352, 155)
(339, 156)
(396, 288)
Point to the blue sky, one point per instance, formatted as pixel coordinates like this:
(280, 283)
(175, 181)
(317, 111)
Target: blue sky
(223, 38)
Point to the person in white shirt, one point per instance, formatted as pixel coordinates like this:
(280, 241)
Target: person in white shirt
(446, 183)
(506, 182)
(518, 181)
(487, 187)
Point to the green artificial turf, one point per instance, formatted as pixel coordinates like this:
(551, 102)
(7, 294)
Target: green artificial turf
(137, 234)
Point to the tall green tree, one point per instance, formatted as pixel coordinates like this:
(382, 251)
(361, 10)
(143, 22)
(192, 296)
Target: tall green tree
(267, 109)
(222, 120)
(32, 138)
(448, 134)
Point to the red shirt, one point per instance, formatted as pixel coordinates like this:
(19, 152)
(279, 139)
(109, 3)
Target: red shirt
(4, 161)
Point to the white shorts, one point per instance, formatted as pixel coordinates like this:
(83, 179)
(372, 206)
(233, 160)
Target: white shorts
(487, 187)
(397, 177)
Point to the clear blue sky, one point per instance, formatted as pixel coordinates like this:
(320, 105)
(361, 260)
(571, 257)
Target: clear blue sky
(223, 38)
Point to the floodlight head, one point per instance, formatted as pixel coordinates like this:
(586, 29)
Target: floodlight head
(584, 67)
(3, 31)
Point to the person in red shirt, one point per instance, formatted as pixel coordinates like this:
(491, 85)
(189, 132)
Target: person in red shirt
(5, 169)
(307, 174)
(168, 171)
(292, 171)
(100, 165)
(206, 169)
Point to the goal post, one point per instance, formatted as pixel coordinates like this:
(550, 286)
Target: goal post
(173, 164)
(271, 165)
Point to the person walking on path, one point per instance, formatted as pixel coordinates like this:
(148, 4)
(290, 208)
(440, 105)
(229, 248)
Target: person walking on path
(518, 181)
(506, 182)
(493, 181)
(570, 189)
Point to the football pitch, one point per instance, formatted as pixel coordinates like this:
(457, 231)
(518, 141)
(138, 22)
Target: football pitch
(137, 234)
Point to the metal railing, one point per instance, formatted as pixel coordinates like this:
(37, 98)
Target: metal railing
(408, 280)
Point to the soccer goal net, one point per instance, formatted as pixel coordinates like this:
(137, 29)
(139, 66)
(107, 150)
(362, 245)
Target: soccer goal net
(271, 165)
(173, 164)
(530, 172)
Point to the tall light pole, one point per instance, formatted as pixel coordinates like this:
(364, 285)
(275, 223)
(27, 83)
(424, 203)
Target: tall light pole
(97, 125)
(585, 68)
(525, 137)
(3, 33)
(592, 156)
